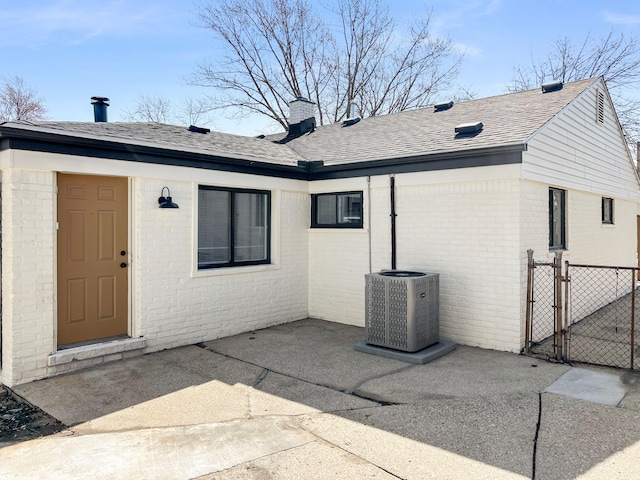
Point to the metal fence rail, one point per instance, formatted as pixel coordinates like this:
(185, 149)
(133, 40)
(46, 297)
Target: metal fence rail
(582, 313)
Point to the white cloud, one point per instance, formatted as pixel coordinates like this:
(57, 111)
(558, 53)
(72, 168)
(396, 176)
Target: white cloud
(468, 12)
(73, 21)
(467, 50)
(492, 6)
(621, 18)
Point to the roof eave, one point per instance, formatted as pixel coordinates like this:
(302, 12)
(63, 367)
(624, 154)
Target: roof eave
(487, 156)
(12, 137)
(50, 142)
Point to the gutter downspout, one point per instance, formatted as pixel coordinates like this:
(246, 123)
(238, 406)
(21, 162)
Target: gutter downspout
(369, 219)
(392, 188)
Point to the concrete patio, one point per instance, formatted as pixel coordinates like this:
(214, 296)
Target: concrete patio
(297, 401)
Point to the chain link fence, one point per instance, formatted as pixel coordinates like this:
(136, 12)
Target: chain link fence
(583, 313)
(601, 316)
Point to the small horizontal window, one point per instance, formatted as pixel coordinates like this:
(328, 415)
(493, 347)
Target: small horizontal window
(336, 210)
(607, 211)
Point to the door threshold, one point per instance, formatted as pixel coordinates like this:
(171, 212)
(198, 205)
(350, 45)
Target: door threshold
(115, 348)
(92, 342)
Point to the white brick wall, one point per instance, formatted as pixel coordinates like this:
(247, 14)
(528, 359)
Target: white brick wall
(337, 265)
(588, 240)
(475, 232)
(171, 302)
(28, 274)
(177, 306)
(473, 226)
(338, 261)
(467, 230)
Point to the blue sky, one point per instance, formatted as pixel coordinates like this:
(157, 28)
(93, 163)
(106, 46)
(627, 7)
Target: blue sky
(71, 50)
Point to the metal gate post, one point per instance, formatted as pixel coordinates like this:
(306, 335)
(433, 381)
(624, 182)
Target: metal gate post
(527, 333)
(557, 266)
(567, 318)
(633, 316)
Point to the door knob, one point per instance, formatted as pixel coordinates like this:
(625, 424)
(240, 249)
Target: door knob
(123, 265)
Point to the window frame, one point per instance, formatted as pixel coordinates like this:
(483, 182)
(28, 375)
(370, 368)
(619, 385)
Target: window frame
(232, 227)
(610, 220)
(314, 211)
(562, 245)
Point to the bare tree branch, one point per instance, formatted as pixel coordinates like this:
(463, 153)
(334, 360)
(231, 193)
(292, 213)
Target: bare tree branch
(157, 108)
(194, 111)
(276, 50)
(19, 101)
(149, 108)
(615, 57)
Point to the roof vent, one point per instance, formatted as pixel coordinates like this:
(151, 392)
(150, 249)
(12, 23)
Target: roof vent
(353, 115)
(468, 128)
(100, 105)
(193, 128)
(439, 107)
(551, 87)
(350, 121)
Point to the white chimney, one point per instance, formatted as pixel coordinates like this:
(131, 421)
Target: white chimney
(300, 110)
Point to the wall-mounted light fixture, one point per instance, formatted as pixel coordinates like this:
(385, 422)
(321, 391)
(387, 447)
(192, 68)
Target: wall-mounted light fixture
(166, 202)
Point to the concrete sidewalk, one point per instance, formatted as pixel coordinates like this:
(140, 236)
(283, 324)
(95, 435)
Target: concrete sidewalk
(297, 401)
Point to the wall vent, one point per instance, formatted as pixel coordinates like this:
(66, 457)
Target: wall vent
(599, 107)
(551, 87)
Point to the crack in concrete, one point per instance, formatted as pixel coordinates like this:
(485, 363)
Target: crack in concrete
(536, 436)
(377, 377)
(261, 377)
(348, 452)
(351, 391)
(380, 402)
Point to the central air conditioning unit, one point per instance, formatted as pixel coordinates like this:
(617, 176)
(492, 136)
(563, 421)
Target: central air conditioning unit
(402, 309)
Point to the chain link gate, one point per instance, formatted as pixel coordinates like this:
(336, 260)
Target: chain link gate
(544, 322)
(588, 314)
(601, 315)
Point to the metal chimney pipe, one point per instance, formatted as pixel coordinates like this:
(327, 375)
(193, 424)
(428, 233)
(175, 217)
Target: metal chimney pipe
(100, 105)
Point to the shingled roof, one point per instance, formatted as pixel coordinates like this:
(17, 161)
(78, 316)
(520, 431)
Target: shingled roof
(171, 137)
(508, 119)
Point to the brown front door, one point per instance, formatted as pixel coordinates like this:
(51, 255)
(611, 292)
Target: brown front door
(92, 258)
